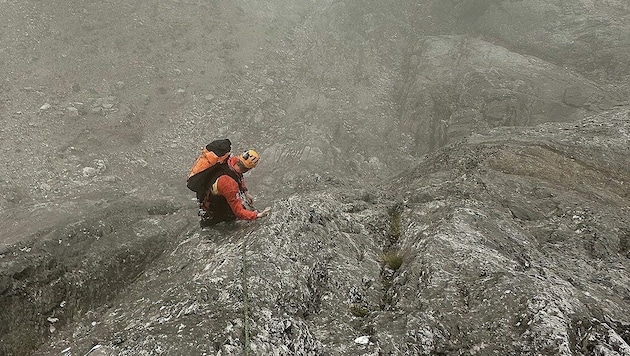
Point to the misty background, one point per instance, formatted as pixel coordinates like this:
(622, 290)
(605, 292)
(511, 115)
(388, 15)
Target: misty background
(418, 128)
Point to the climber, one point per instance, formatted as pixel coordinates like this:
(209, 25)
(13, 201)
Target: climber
(227, 195)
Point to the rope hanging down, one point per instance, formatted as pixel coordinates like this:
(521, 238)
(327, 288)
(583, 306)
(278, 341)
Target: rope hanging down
(245, 296)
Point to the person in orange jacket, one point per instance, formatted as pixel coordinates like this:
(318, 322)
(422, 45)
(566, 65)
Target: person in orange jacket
(228, 196)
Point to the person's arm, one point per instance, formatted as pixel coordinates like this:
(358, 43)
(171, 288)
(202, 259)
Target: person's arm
(249, 198)
(246, 193)
(229, 189)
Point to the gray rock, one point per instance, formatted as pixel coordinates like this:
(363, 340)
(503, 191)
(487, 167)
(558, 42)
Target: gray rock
(72, 111)
(444, 175)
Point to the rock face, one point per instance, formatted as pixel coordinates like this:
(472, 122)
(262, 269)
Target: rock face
(511, 242)
(457, 84)
(514, 224)
(78, 265)
(374, 78)
(561, 32)
(446, 177)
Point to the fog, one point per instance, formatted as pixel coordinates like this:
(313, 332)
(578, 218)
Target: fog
(356, 107)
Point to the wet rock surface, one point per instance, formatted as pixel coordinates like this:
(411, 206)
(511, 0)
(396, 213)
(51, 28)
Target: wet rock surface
(445, 177)
(67, 270)
(468, 255)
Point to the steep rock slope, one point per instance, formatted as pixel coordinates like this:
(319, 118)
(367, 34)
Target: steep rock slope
(105, 104)
(589, 37)
(369, 78)
(335, 86)
(513, 242)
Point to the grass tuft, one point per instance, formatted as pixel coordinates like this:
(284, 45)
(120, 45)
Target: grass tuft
(393, 259)
(359, 311)
(395, 227)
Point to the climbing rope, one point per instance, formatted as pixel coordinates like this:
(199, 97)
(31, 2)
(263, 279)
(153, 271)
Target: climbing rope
(245, 296)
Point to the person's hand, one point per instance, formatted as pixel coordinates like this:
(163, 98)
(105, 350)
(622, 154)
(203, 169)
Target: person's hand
(249, 198)
(264, 213)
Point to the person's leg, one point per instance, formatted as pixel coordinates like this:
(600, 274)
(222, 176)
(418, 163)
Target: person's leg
(216, 211)
(210, 218)
(201, 195)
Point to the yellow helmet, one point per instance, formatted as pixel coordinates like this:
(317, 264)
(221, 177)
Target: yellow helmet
(249, 159)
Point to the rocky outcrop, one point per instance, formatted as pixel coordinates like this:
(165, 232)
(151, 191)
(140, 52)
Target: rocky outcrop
(512, 242)
(507, 232)
(370, 79)
(588, 36)
(511, 227)
(66, 271)
(457, 85)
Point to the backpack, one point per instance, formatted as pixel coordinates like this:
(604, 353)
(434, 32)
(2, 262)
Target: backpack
(216, 152)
